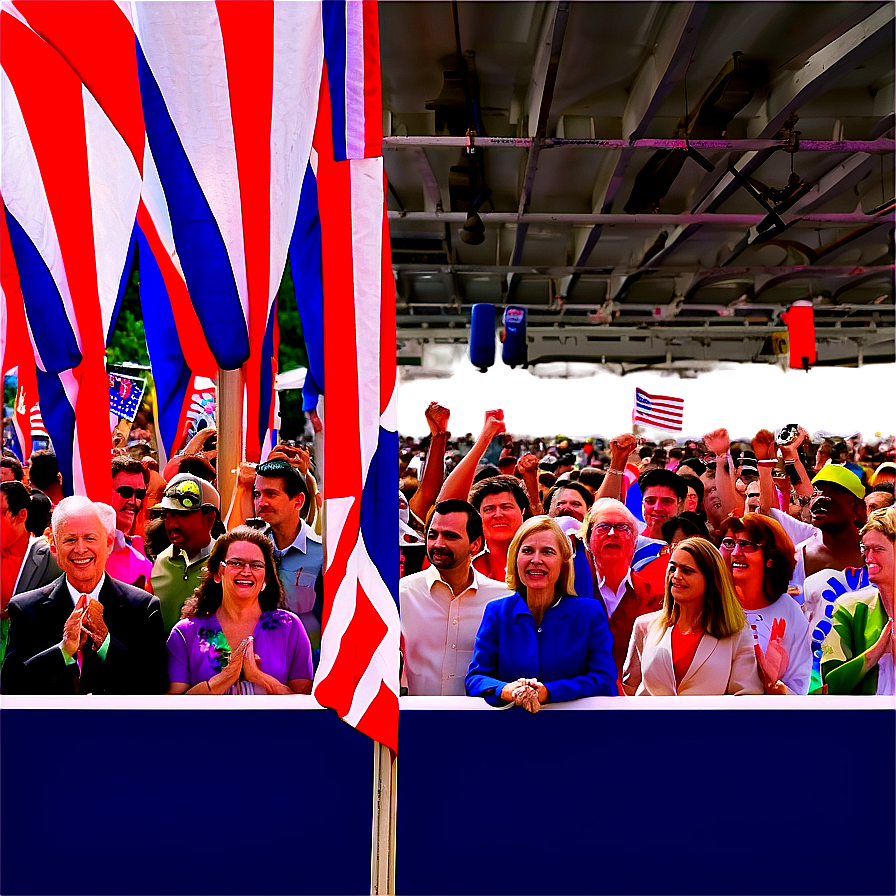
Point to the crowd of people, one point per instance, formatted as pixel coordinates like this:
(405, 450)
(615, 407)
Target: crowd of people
(702, 566)
(532, 571)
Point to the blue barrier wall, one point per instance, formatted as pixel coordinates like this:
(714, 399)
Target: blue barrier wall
(617, 800)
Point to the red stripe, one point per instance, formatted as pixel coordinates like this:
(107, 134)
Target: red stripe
(660, 397)
(381, 719)
(98, 42)
(656, 416)
(652, 421)
(373, 91)
(247, 28)
(50, 96)
(195, 348)
(360, 641)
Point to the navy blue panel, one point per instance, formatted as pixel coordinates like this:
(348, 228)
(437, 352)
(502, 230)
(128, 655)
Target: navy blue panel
(183, 801)
(665, 802)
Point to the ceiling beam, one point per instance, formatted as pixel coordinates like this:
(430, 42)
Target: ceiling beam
(788, 93)
(538, 104)
(715, 219)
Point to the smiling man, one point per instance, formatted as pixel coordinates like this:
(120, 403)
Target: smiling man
(502, 503)
(280, 493)
(442, 606)
(86, 633)
(128, 562)
(188, 508)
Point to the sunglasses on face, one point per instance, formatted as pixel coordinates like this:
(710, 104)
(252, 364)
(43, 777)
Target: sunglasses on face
(127, 492)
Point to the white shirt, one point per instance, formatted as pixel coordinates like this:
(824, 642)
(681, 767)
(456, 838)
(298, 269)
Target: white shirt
(438, 629)
(796, 639)
(611, 597)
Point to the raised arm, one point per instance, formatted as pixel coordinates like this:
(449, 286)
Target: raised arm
(527, 467)
(434, 469)
(719, 443)
(460, 480)
(803, 486)
(763, 445)
(621, 448)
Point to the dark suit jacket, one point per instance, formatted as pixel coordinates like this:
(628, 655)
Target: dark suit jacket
(38, 568)
(135, 662)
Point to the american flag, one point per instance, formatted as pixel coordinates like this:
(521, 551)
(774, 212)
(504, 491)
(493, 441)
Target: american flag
(658, 411)
(125, 395)
(195, 141)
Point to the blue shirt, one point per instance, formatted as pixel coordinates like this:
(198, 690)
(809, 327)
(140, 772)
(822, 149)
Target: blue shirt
(571, 652)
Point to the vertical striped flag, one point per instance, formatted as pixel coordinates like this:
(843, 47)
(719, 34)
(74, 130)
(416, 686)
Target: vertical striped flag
(658, 411)
(358, 671)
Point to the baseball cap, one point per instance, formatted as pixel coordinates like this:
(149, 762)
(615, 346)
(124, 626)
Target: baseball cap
(186, 493)
(842, 477)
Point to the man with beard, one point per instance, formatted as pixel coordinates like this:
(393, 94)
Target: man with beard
(442, 606)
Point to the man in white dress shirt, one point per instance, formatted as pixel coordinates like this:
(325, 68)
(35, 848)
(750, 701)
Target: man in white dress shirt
(442, 606)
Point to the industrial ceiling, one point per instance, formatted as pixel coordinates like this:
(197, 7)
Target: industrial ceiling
(656, 182)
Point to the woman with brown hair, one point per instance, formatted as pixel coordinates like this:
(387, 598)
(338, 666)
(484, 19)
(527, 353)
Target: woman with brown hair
(233, 636)
(760, 558)
(542, 642)
(699, 643)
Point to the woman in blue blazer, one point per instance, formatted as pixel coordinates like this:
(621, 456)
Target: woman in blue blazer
(542, 642)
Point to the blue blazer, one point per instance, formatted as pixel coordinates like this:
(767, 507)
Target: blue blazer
(571, 653)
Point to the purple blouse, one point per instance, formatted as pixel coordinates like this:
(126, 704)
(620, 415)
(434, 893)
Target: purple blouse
(198, 650)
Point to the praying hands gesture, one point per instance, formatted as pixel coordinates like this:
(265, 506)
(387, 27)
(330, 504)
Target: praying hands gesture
(74, 634)
(529, 693)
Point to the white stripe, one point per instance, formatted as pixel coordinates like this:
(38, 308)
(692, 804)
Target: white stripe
(336, 512)
(341, 614)
(114, 196)
(154, 199)
(25, 197)
(367, 244)
(389, 420)
(70, 385)
(184, 48)
(354, 80)
(298, 62)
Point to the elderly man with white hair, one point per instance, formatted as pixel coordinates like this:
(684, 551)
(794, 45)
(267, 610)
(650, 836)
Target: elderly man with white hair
(85, 633)
(612, 537)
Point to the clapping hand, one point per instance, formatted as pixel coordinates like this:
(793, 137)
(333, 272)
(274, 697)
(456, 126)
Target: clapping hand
(74, 635)
(251, 663)
(94, 624)
(230, 674)
(773, 663)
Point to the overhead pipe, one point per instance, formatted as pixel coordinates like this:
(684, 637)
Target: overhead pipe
(646, 220)
(879, 146)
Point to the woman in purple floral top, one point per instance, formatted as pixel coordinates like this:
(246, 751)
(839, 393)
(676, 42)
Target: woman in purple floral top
(238, 603)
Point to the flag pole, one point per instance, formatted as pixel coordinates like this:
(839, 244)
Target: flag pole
(385, 803)
(229, 420)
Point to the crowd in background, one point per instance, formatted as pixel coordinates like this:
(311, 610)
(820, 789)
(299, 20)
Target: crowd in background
(533, 570)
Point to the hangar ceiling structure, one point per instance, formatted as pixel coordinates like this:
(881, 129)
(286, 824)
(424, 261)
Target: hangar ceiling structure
(657, 182)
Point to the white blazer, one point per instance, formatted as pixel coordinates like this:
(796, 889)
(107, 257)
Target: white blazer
(726, 666)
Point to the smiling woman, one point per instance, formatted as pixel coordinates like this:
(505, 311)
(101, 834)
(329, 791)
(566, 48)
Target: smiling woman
(699, 643)
(234, 637)
(541, 643)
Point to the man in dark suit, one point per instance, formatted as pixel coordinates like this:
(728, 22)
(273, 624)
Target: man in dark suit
(86, 632)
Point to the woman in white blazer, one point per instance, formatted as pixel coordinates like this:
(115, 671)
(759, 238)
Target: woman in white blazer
(699, 643)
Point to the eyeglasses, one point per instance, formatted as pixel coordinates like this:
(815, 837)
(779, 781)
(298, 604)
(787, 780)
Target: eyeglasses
(872, 549)
(606, 528)
(127, 492)
(239, 565)
(748, 547)
(188, 494)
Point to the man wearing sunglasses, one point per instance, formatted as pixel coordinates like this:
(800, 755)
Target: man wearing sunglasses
(128, 562)
(189, 508)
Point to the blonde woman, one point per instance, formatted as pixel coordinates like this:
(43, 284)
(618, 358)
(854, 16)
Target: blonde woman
(541, 643)
(699, 643)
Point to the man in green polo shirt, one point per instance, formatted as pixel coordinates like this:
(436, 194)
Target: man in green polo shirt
(189, 506)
